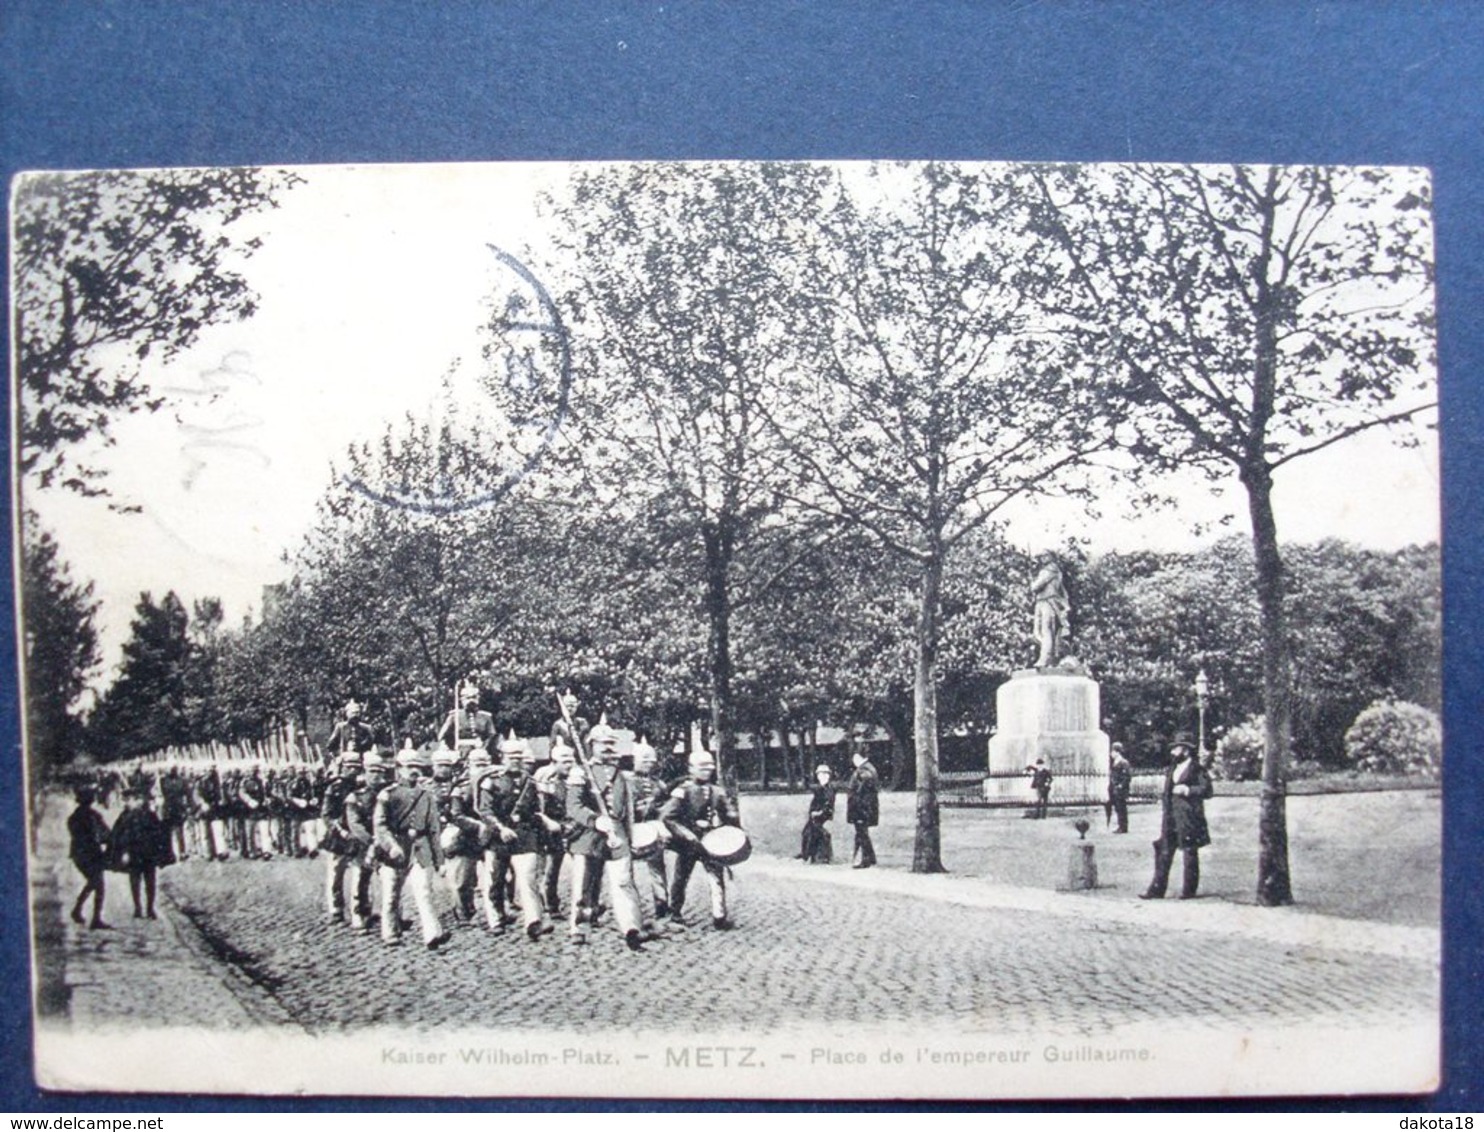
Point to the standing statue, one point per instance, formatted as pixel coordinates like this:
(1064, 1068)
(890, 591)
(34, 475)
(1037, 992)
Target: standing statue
(1052, 608)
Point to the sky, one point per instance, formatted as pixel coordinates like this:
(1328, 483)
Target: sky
(373, 282)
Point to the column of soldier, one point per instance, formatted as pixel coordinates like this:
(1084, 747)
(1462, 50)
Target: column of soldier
(472, 823)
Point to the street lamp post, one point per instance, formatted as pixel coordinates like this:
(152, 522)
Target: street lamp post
(1202, 690)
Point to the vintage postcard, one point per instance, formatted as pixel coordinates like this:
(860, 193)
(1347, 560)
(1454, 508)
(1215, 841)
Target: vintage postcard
(730, 630)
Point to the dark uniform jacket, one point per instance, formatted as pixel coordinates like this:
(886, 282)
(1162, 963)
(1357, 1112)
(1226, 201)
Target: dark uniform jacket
(1183, 818)
(359, 812)
(351, 735)
(512, 797)
(407, 817)
(693, 810)
(863, 802)
(1120, 780)
(477, 727)
(650, 794)
(583, 811)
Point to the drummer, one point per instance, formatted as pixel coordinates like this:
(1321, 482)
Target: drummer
(649, 867)
(694, 809)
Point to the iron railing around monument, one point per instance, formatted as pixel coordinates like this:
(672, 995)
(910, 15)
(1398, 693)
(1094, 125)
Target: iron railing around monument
(981, 790)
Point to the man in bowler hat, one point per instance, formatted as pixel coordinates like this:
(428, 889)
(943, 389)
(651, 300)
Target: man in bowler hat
(1182, 820)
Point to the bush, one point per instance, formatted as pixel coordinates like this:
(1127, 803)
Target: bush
(1239, 753)
(1396, 738)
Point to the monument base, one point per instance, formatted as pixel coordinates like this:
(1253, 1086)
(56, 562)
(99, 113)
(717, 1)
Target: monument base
(1052, 714)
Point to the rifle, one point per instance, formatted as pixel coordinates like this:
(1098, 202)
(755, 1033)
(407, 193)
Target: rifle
(614, 840)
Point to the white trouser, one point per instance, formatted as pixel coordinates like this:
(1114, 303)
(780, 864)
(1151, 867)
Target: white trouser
(419, 882)
(619, 872)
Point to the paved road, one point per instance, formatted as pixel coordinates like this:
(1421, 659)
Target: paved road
(820, 945)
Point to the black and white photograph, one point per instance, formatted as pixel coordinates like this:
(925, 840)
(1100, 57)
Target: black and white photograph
(670, 629)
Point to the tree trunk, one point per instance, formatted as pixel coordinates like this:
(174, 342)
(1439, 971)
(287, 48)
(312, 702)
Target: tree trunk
(760, 744)
(1273, 885)
(898, 757)
(927, 856)
(719, 616)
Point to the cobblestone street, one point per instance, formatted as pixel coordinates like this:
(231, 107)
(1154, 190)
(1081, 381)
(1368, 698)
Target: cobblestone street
(247, 940)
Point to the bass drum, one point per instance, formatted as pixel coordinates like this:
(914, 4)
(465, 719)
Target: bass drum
(647, 841)
(727, 845)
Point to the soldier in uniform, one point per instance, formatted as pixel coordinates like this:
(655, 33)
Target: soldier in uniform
(252, 794)
(466, 727)
(461, 830)
(208, 801)
(650, 793)
(359, 823)
(551, 784)
(520, 804)
(492, 805)
(299, 811)
(175, 809)
(405, 825)
(694, 808)
(351, 733)
(345, 854)
(88, 836)
(600, 806)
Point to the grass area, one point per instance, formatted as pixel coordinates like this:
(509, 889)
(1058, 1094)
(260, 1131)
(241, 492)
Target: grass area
(1372, 855)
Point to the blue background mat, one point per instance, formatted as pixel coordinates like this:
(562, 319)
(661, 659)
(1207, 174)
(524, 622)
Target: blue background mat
(132, 84)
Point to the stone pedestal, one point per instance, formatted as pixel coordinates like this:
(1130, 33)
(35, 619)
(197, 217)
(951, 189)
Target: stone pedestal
(1053, 714)
(1082, 867)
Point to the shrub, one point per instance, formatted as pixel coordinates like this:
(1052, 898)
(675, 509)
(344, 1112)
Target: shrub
(1239, 753)
(1390, 737)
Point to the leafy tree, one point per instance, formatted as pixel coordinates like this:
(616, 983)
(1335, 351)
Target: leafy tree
(680, 334)
(935, 392)
(111, 268)
(61, 649)
(1252, 316)
(149, 706)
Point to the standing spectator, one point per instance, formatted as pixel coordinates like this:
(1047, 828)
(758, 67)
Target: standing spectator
(863, 808)
(1041, 784)
(1120, 781)
(89, 836)
(1182, 820)
(140, 845)
(817, 846)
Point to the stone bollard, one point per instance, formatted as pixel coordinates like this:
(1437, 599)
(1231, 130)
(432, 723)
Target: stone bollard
(1082, 865)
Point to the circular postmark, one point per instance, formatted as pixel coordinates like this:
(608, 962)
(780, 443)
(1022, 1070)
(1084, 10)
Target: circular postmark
(528, 380)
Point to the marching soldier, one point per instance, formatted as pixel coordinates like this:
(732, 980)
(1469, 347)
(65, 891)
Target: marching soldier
(531, 824)
(600, 804)
(360, 827)
(694, 808)
(461, 830)
(493, 801)
(551, 784)
(649, 799)
(175, 809)
(466, 727)
(345, 854)
(405, 825)
(299, 812)
(256, 811)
